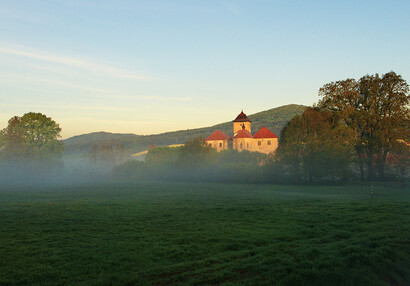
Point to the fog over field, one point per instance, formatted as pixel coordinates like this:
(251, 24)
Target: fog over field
(72, 172)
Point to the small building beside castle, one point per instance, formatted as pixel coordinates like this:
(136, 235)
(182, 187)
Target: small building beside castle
(219, 140)
(263, 141)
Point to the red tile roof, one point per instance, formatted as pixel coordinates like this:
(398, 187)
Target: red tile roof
(243, 134)
(265, 133)
(241, 118)
(217, 135)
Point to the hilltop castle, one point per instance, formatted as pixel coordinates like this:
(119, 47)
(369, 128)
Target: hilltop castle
(263, 141)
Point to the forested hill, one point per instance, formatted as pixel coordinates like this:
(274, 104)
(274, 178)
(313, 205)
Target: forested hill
(274, 119)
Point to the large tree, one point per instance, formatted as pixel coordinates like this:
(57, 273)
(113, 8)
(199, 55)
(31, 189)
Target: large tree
(32, 137)
(376, 109)
(312, 147)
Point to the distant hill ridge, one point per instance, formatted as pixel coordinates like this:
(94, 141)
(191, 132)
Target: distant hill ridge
(275, 119)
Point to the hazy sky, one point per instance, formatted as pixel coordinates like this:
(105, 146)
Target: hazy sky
(151, 66)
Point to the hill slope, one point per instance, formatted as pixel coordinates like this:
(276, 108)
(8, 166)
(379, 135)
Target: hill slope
(274, 119)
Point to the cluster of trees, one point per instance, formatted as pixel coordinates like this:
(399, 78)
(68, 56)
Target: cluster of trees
(358, 126)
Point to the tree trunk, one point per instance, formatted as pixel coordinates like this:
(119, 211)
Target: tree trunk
(361, 166)
(370, 169)
(296, 168)
(361, 163)
(380, 171)
(381, 165)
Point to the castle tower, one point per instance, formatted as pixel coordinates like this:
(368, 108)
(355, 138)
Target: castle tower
(241, 122)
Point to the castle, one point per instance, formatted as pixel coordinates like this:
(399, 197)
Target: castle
(263, 141)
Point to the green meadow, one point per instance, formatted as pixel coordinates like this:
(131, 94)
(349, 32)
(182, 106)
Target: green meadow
(202, 234)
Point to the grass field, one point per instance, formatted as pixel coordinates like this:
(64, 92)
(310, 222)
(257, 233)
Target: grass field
(170, 234)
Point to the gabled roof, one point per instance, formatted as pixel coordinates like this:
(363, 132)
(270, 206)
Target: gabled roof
(265, 133)
(243, 134)
(241, 118)
(217, 135)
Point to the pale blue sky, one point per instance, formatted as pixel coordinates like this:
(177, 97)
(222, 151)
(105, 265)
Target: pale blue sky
(152, 66)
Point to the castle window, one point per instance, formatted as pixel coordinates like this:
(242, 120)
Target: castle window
(247, 145)
(240, 146)
(220, 145)
(269, 142)
(259, 143)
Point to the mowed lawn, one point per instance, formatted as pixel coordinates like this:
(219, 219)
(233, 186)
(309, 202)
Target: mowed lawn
(201, 234)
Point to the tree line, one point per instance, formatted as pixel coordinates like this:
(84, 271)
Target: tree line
(358, 130)
(195, 161)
